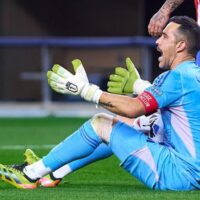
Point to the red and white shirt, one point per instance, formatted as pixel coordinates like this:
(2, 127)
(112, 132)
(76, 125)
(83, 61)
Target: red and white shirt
(197, 6)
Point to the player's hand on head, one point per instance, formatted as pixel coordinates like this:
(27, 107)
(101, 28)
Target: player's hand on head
(62, 81)
(157, 23)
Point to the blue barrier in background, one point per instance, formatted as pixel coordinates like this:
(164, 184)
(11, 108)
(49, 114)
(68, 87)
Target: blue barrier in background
(44, 43)
(76, 42)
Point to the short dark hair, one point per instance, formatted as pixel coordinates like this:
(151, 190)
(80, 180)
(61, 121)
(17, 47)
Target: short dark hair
(190, 29)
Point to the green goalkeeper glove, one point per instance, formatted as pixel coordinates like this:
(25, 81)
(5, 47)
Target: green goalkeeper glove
(64, 82)
(126, 81)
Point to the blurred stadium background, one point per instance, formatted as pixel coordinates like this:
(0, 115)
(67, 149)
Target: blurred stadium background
(36, 34)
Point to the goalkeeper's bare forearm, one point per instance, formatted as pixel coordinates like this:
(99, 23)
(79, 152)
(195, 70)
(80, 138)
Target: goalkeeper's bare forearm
(122, 105)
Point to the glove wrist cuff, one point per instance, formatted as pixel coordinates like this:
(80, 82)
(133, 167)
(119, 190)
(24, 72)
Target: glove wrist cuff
(97, 96)
(91, 92)
(140, 85)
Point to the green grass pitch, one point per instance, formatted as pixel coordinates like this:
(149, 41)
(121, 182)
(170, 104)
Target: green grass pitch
(101, 180)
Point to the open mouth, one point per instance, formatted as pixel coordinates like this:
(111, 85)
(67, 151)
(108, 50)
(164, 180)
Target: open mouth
(161, 54)
(159, 50)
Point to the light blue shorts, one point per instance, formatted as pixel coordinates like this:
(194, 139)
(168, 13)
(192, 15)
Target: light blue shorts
(156, 165)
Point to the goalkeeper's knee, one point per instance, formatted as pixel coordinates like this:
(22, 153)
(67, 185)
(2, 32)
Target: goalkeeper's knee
(102, 124)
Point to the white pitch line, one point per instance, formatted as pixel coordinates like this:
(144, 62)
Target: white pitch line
(31, 146)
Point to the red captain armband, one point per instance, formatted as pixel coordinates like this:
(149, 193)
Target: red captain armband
(149, 102)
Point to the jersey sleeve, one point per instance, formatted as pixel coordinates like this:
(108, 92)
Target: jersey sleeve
(166, 89)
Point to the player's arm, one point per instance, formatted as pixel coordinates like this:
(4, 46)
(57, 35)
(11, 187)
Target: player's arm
(160, 18)
(122, 105)
(64, 82)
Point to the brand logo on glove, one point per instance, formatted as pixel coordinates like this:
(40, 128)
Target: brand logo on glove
(71, 87)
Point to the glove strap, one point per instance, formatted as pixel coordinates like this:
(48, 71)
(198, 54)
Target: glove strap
(140, 85)
(91, 92)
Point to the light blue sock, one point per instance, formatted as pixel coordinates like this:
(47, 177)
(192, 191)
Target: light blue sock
(80, 144)
(101, 152)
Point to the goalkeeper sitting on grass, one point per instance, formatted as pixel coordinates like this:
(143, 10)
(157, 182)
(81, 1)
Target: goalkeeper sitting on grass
(124, 81)
(172, 165)
(121, 82)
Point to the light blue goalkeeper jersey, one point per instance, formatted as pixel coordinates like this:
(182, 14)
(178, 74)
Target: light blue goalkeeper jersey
(177, 93)
(175, 164)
